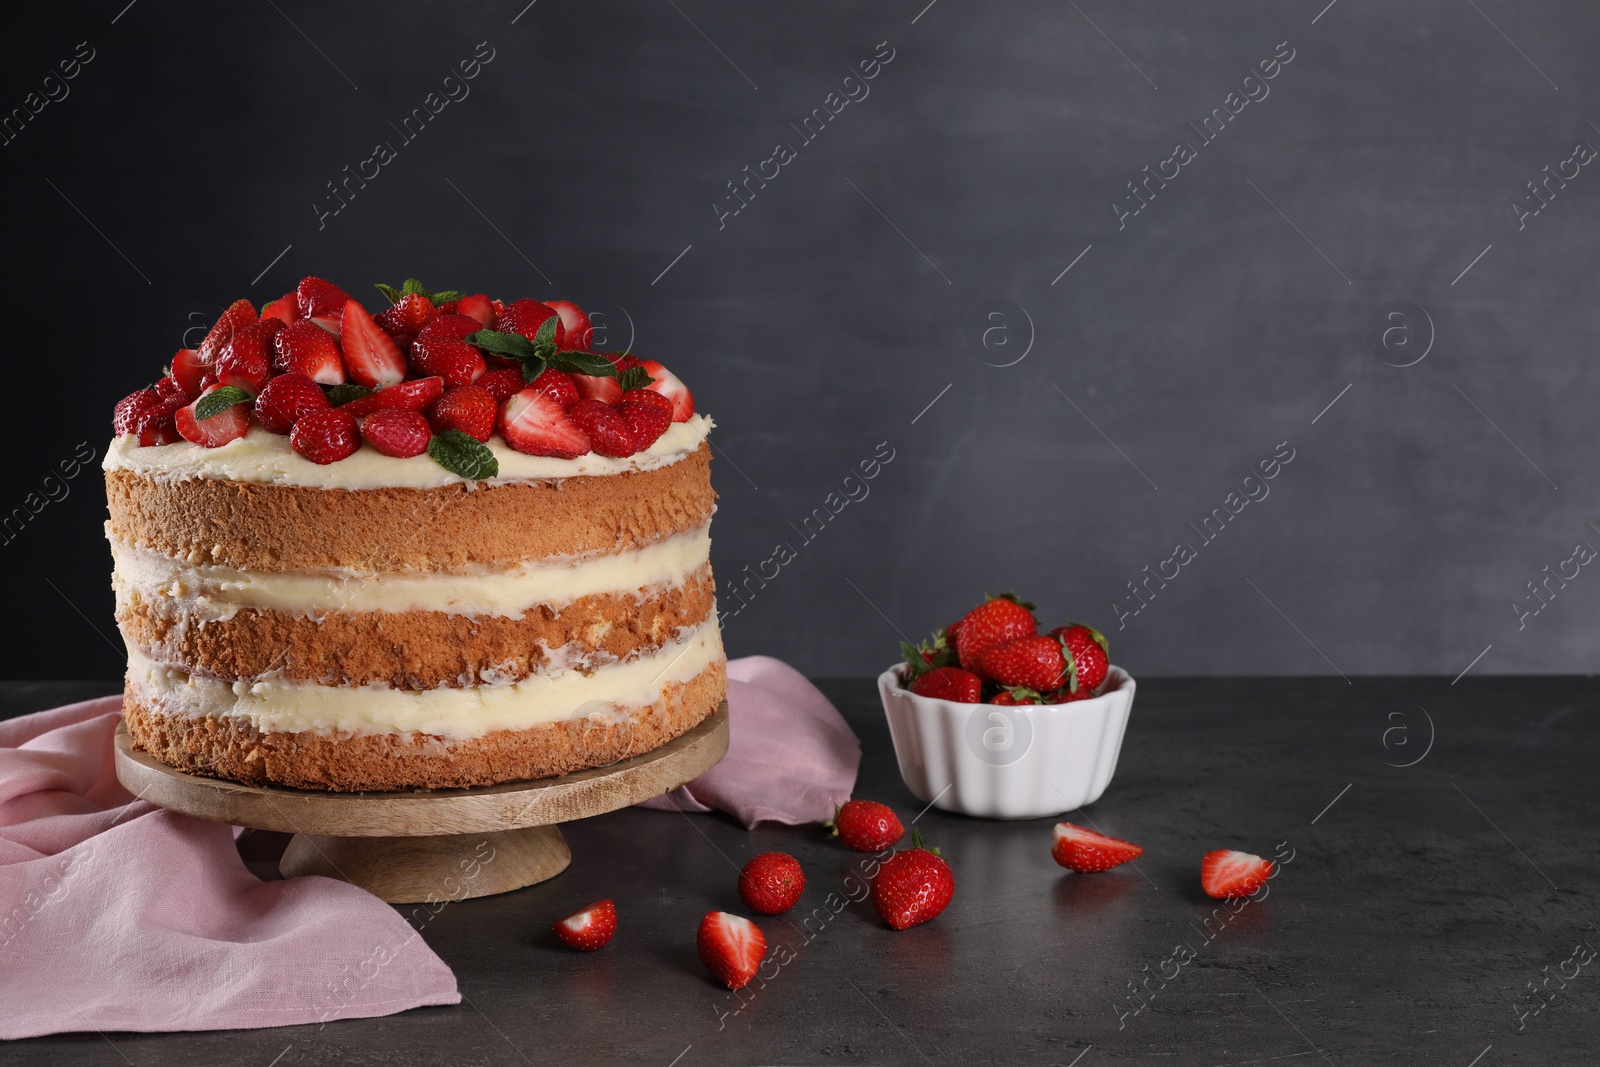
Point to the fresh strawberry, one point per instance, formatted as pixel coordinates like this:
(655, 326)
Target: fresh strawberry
(771, 883)
(408, 317)
(371, 357)
(952, 633)
(1016, 696)
(576, 331)
(187, 370)
(245, 362)
(913, 886)
(623, 360)
(316, 297)
(413, 395)
(607, 430)
(169, 387)
(865, 825)
(229, 424)
(525, 317)
(325, 436)
(239, 314)
(1039, 663)
(304, 348)
(156, 424)
(131, 407)
(532, 422)
(501, 382)
(441, 350)
(286, 398)
(1225, 874)
(593, 387)
(731, 947)
(1089, 852)
(466, 408)
(559, 385)
(648, 415)
(1088, 650)
(332, 324)
(588, 928)
(396, 432)
(667, 384)
(949, 683)
(477, 306)
(1067, 696)
(285, 309)
(994, 622)
(924, 657)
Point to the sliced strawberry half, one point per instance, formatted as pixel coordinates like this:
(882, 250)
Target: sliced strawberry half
(576, 330)
(239, 314)
(1226, 874)
(591, 387)
(731, 947)
(413, 395)
(588, 928)
(229, 424)
(1088, 852)
(532, 422)
(285, 309)
(668, 385)
(305, 348)
(370, 356)
(478, 306)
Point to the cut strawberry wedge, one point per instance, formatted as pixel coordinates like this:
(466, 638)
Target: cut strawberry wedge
(187, 370)
(285, 309)
(576, 330)
(731, 947)
(229, 424)
(413, 396)
(532, 422)
(331, 323)
(1226, 874)
(668, 385)
(605, 390)
(478, 306)
(370, 356)
(1088, 852)
(589, 928)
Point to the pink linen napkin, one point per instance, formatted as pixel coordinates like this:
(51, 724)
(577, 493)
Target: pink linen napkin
(118, 915)
(791, 757)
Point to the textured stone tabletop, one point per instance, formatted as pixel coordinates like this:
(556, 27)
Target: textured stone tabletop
(1428, 914)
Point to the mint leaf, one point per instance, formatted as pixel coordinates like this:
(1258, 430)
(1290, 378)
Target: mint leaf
(444, 296)
(532, 368)
(546, 333)
(464, 455)
(511, 345)
(219, 400)
(414, 286)
(634, 378)
(345, 392)
(390, 293)
(590, 363)
(411, 285)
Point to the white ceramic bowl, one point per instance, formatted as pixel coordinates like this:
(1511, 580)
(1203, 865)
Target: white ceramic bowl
(1007, 762)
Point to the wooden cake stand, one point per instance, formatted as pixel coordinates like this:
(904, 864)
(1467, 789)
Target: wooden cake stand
(429, 845)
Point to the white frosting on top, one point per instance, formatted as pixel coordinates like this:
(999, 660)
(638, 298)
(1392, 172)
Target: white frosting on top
(275, 705)
(260, 456)
(208, 592)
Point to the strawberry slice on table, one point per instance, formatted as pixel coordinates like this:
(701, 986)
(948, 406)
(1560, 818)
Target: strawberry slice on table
(949, 683)
(1089, 852)
(414, 395)
(668, 385)
(913, 886)
(286, 398)
(576, 331)
(731, 947)
(607, 429)
(1226, 874)
(245, 362)
(771, 883)
(317, 297)
(238, 315)
(370, 356)
(588, 928)
(397, 432)
(305, 348)
(478, 306)
(467, 408)
(325, 436)
(994, 622)
(229, 424)
(532, 422)
(865, 825)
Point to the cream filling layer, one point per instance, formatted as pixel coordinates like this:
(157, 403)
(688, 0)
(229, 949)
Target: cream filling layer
(212, 592)
(276, 706)
(266, 458)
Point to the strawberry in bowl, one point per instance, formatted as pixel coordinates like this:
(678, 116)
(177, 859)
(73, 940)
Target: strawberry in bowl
(997, 718)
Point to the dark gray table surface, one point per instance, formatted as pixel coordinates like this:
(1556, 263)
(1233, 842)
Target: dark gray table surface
(1419, 904)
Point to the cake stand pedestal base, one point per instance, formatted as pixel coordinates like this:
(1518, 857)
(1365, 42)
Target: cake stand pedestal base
(425, 846)
(423, 870)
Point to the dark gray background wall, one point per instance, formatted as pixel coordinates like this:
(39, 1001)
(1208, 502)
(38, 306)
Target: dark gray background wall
(873, 290)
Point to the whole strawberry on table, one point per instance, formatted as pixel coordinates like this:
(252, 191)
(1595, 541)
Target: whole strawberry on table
(995, 654)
